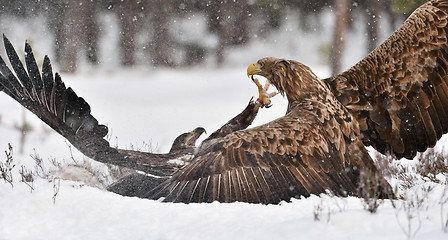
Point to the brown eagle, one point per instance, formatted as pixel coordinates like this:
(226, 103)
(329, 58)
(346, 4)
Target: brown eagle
(395, 99)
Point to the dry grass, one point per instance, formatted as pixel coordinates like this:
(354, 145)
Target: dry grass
(416, 181)
(7, 166)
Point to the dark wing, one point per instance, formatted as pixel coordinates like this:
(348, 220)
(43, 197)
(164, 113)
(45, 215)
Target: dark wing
(292, 156)
(239, 122)
(135, 185)
(399, 92)
(46, 96)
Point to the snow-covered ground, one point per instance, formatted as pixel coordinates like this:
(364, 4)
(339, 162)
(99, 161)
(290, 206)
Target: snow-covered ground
(146, 109)
(88, 213)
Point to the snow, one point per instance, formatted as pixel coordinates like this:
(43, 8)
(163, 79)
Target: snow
(146, 109)
(89, 213)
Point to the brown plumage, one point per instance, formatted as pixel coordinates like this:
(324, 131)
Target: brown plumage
(395, 99)
(399, 92)
(315, 147)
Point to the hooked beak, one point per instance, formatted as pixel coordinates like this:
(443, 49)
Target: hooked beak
(253, 69)
(195, 134)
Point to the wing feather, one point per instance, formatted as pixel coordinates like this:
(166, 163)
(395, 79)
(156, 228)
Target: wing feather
(9, 81)
(34, 72)
(398, 93)
(240, 168)
(18, 68)
(48, 80)
(192, 193)
(263, 184)
(443, 119)
(46, 95)
(236, 183)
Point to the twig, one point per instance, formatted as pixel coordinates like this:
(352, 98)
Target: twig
(56, 187)
(6, 168)
(442, 202)
(27, 177)
(71, 152)
(411, 208)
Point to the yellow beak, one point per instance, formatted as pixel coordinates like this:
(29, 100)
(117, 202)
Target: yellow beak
(253, 69)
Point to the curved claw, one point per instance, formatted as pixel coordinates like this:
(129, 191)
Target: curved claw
(264, 97)
(262, 103)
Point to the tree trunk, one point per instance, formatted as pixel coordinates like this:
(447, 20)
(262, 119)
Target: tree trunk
(372, 23)
(233, 25)
(341, 14)
(74, 23)
(92, 32)
(68, 34)
(162, 39)
(224, 29)
(128, 14)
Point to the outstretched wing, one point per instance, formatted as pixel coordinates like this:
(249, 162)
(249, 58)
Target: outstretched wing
(46, 96)
(292, 156)
(399, 92)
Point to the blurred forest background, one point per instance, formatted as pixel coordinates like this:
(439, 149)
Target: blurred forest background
(147, 27)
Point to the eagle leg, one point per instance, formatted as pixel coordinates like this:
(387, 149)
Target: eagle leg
(264, 98)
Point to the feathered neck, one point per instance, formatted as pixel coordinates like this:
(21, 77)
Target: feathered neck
(297, 82)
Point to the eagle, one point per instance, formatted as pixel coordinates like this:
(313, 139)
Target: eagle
(45, 94)
(395, 100)
(182, 150)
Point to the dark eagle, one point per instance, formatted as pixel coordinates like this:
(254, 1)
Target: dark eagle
(181, 152)
(395, 99)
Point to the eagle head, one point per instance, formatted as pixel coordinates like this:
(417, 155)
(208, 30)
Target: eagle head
(265, 67)
(288, 76)
(186, 140)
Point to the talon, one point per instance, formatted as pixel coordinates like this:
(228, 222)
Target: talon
(252, 77)
(260, 88)
(262, 104)
(266, 85)
(263, 96)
